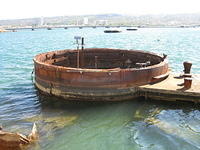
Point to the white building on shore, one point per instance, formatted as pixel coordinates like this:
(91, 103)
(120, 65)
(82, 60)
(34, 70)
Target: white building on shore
(85, 21)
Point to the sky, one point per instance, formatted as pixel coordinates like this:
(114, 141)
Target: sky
(15, 9)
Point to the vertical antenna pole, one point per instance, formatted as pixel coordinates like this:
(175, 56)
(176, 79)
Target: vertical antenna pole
(78, 56)
(82, 43)
(82, 54)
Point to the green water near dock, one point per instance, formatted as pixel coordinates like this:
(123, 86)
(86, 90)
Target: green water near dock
(131, 125)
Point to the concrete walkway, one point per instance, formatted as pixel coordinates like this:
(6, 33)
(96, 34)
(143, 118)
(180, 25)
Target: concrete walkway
(170, 91)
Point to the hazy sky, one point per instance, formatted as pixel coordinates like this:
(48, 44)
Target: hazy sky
(11, 9)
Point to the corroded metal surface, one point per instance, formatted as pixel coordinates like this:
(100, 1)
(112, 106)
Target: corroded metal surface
(103, 74)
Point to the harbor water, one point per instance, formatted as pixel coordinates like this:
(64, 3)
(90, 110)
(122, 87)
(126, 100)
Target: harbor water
(138, 124)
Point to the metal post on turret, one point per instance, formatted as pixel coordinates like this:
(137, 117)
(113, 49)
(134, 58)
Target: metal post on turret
(82, 53)
(78, 56)
(77, 38)
(82, 43)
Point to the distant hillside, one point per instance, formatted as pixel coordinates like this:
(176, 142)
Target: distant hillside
(110, 19)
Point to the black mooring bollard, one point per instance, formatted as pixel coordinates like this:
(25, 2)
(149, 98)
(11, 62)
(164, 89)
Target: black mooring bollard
(187, 67)
(187, 83)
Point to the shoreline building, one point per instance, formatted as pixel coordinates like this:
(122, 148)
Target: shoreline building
(101, 22)
(41, 23)
(85, 21)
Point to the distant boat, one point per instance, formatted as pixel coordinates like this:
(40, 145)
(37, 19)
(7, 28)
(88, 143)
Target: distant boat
(113, 30)
(132, 29)
(49, 28)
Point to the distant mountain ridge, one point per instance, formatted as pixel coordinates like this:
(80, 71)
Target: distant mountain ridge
(111, 19)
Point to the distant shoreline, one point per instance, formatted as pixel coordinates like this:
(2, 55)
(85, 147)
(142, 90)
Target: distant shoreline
(152, 21)
(14, 29)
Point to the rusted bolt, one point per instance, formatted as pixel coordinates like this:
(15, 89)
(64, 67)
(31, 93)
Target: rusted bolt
(187, 67)
(187, 83)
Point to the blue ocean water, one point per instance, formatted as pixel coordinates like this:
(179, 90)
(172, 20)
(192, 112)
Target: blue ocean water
(136, 124)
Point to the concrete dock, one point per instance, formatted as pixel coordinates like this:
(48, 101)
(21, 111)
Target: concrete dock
(170, 90)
